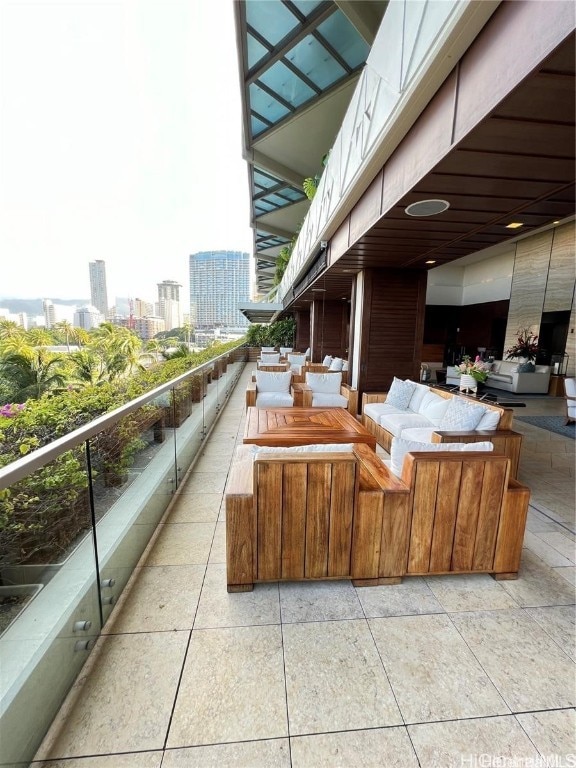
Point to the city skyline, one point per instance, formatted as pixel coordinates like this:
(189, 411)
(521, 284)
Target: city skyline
(130, 170)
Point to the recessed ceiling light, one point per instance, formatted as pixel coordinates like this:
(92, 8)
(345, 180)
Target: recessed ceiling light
(427, 208)
(431, 261)
(514, 225)
(320, 290)
(556, 222)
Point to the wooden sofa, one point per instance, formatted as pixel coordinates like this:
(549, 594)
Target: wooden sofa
(306, 516)
(504, 438)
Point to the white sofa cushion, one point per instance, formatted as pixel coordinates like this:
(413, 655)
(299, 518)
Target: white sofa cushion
(272, 381)
(396, 422)
(274, 400)
(461, 416)
(418, 434)
(490, 420)
(327, 361)
(267, 349)
(433, 407)
(400, 393)
(336, 364)
(376, 410)
(312, 448)
(401, 447)
(420, 392)
(270, 359)
(327, 383)
(285, 350)
(326, 400)
(296, 362)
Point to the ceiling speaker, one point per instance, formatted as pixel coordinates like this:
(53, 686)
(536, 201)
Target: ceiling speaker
(427, 207)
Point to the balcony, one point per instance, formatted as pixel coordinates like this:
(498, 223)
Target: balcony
(433, 671)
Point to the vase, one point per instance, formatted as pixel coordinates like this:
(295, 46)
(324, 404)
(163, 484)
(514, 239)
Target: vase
(468, 383)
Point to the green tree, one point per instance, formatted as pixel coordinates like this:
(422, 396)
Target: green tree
(32, 373)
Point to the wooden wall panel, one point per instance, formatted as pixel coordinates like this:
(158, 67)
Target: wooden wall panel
(329, 329)
(302, 340)
(392, 325)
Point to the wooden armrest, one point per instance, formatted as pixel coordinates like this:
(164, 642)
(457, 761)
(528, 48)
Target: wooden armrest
(373, 397)
(241, 477)
(351, 394)
(372, 464)
(570, 397)
(251, 394)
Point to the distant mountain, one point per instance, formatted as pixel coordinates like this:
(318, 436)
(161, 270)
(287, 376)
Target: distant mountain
(34, 306)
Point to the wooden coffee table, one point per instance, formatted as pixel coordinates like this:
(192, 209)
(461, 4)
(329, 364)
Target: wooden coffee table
(303, 426)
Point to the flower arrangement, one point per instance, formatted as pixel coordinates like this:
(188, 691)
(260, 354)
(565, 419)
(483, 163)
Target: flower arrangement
(475, 368)
(526, 345)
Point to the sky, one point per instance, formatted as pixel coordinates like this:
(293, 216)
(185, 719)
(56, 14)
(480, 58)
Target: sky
(121, 140)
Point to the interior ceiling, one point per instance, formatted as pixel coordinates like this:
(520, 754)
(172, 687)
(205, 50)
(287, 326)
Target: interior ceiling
(516, 165)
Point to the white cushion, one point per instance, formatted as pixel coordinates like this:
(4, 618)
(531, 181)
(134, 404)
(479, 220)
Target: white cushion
(329, 383)
(420, 392)
(401, 447)
(296, 361)
(274, 400)
(461, 416)
(285, 350)
(271, 381)
(434, 407)
(267, 359)
(418, 434)
(396, 422)
(489, 420)
(336, 364)
(267, 349)
(345, 365)
(312, 448)
(376, 410)
(400, 393)
(327, 360)
(327, 400)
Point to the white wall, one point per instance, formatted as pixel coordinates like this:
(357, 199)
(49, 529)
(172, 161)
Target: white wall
(478, 283)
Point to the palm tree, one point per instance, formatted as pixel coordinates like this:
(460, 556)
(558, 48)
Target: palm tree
(39, 337)
(120, 348)
(31, 373)
(87, 368)
(66, 331)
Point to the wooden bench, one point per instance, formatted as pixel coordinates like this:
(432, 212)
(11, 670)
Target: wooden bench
(313, 516)
(504, 439)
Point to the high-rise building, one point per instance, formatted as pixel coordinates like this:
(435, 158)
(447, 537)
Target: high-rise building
(87, 317)
(98, 291)
(169, 303)
(219, 280)
(49, 313)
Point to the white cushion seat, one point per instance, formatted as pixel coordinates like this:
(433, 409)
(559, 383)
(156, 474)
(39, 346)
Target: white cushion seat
(274, 400)
(396, 422)
(326, 400)
(418, 434)
(376, 410)
(312, 448)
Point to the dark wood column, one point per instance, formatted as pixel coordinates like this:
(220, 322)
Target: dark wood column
(388, 319)
(329, 329)
(302, 339)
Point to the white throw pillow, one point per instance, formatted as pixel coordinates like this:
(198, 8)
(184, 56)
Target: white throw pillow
(461, 416)
(400, 393)
(433, 407)
(490, 420)
(401, 447)
(336, 364)
(271, 359)
(271, 381)
(312, 448)
(418, 396)
(329, 383)
(327, 361)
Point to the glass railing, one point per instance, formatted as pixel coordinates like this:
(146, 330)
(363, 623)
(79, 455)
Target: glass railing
(75, 517)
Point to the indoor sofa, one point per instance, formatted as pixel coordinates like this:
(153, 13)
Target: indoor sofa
(424, 414)
(504, 374)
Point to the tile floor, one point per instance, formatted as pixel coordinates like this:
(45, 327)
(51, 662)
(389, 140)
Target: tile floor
(442, 671)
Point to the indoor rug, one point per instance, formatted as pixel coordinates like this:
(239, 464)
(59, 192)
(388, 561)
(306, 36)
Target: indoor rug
(552, 423)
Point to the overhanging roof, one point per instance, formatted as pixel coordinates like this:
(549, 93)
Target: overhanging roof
(259, 312)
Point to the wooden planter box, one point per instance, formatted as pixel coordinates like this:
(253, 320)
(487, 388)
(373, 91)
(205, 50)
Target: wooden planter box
(197, 388)
(175, 415)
